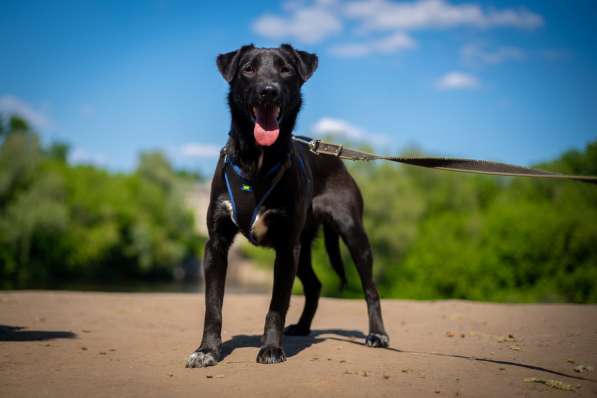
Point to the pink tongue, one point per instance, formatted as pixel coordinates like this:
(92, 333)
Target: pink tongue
(266, 127)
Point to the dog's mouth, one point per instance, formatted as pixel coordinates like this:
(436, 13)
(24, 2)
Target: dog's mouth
(267, 128)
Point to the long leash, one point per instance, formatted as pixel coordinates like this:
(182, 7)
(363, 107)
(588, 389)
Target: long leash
(319, 147)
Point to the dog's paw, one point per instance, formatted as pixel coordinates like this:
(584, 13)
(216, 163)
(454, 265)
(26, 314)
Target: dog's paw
(377, 340)
(296, 330)
(202, 359)
(271, 354)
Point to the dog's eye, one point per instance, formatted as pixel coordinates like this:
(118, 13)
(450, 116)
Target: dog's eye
(249, 70)
(286, 71)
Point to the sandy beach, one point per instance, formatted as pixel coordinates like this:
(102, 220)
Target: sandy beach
(127, 345)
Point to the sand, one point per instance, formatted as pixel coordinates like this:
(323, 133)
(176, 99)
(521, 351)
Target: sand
(120, 345)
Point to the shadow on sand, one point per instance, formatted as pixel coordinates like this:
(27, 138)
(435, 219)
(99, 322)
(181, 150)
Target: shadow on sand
(292, 344)
(17, 333)
(295, 344)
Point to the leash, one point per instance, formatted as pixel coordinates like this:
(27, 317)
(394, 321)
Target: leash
(319, 147)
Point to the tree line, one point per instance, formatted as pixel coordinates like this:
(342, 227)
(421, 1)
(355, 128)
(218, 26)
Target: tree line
(434, 234)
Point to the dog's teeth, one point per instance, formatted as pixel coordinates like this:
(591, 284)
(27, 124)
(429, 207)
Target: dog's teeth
(277, 111)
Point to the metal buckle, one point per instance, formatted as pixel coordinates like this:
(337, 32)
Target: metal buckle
(318, 148)
(313, 146)
(330, 149)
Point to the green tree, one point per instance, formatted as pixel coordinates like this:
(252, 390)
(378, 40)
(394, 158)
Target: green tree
(60, 222)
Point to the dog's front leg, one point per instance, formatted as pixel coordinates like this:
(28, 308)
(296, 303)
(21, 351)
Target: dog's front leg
(284, 272)
(215, 265)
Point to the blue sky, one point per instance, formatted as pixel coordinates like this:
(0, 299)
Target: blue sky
(507, 80)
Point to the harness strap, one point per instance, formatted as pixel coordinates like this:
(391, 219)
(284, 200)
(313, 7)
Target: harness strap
(319, 147)
(247, 195)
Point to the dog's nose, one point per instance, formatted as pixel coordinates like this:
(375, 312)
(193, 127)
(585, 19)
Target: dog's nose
(269, 92)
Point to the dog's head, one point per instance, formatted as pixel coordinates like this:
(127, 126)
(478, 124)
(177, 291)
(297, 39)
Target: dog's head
(265, 88)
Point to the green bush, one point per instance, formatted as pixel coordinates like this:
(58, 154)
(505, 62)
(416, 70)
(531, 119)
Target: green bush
(60, 222)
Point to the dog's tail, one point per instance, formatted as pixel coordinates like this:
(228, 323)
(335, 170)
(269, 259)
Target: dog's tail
(332, 245)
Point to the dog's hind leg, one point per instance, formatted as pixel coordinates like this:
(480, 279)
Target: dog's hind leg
(332, 246)
(355, 238)
(311, 289)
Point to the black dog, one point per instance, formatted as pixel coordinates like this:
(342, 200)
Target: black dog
(277, 194)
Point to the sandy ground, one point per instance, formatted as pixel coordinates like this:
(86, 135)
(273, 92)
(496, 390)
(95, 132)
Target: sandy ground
(120, 345)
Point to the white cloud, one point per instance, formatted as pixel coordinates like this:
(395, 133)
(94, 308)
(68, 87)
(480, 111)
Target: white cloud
(457, 81)
(306, 24)
(478, 53)
(315, 21)
(343, 129)
(384, 14)
(197, 150)
(10, 104)
(81, 156)
(395, 42)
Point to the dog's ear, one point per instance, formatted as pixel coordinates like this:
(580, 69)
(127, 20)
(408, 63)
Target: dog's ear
(306, 62)
(228, 62)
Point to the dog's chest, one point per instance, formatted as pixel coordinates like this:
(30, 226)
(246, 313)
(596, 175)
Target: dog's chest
(263, 223)
(247, 200)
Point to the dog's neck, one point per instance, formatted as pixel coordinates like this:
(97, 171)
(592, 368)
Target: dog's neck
(252, 158)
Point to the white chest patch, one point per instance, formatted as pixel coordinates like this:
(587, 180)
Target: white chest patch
(259, 227)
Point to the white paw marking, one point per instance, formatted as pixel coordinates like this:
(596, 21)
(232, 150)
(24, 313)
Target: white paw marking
(201, 360)
(271, 355)
(377, 340)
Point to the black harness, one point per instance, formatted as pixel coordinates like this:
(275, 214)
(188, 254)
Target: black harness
(247, 194)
